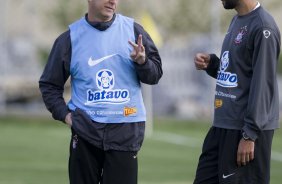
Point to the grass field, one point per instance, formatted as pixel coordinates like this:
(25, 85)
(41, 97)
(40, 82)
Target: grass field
(35, 151)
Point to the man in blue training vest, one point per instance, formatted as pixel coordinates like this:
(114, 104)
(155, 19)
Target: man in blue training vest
(107, 56)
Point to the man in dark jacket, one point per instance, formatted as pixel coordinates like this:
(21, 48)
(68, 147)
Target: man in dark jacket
(237, 148)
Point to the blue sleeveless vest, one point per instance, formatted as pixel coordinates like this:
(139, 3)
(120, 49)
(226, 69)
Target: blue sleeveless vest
(103, 77)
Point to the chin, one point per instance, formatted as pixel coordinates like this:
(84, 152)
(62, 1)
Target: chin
(108, 14)
(107, 17)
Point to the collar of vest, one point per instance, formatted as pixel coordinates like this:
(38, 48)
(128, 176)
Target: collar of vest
(101, 26)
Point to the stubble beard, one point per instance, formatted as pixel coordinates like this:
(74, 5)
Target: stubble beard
(230, 4)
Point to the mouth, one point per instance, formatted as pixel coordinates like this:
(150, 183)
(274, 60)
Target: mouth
(110, 8)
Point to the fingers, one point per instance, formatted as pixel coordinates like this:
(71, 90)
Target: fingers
(245, 152)
(138, 53)
(201, 61)
(252, 155)
(140, 42)
(68, 119)
(202, 57)
(139, 46)
(200, 65)
(243, 159)
(134, 45)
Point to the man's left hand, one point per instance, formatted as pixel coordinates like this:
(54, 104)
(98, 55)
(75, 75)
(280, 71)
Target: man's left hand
(138, 54)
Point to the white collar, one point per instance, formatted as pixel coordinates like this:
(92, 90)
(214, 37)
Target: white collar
(258, 5)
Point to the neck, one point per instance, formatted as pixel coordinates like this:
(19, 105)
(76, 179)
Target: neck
(246, 6)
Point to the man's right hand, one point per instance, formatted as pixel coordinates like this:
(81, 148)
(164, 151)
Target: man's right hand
(246, 152)
(202, 61)
(68, 119)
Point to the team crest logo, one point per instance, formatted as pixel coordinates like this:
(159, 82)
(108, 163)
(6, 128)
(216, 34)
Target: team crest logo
(226, 79)
(105, 81)
(241, 34)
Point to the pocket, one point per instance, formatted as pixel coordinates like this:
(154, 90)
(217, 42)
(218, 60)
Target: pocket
(83, 125)
(79, 118)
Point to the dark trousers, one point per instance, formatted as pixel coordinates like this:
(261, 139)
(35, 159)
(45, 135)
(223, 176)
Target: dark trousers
(91, 165)
(217, 163)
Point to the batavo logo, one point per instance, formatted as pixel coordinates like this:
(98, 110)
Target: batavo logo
(106, 93)
(127, 111)
(224, 78)
(218, 103)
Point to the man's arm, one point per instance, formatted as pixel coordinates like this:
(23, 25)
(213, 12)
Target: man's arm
(263, 96)
(213, 65)
(54, 76)
(151, 71)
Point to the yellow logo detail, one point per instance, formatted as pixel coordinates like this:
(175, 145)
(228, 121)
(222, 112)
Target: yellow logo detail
(218, 103)
(127, 111)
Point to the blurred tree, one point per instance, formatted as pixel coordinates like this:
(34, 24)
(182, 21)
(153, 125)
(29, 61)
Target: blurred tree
(67, 11)
(186, 16)
(272, 4)
(129, 8)
(181, 17)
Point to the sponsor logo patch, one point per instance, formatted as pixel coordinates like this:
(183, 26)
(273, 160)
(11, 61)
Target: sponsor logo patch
(127, 111)
(218, 103)
(226, 79)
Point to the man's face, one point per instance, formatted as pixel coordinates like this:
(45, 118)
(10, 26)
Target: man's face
(102, 10)
(230, 4)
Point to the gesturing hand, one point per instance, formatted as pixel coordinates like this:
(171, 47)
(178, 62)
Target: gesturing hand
(138, 54)
(201, 61)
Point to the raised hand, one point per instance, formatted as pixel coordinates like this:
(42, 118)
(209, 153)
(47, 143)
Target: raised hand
(138, 54)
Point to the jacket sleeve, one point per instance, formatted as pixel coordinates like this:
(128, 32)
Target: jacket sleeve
(213, 66)
(54, 76)
(151, 71)
(263, 99)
